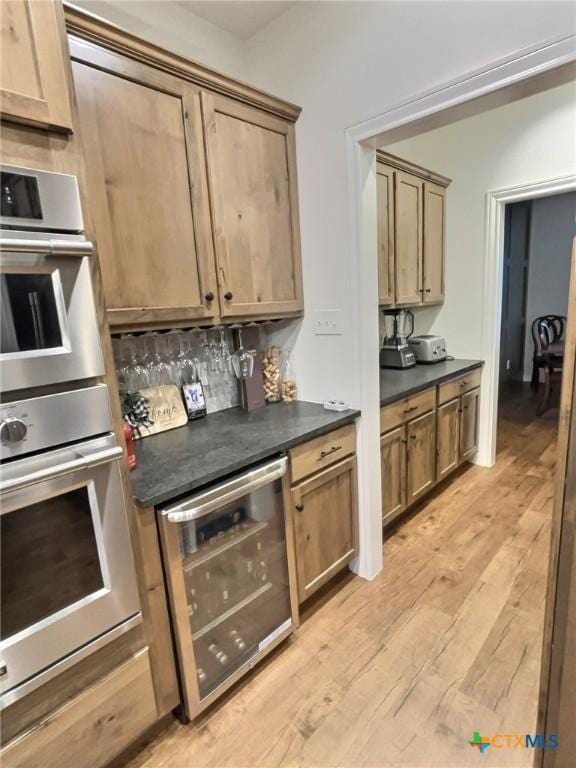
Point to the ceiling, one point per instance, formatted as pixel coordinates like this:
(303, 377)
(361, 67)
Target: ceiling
(242, 18)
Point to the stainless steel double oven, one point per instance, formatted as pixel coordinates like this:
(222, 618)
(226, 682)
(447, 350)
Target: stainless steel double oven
(68, 583)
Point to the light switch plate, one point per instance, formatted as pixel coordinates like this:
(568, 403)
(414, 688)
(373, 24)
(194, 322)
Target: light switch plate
(328, 322)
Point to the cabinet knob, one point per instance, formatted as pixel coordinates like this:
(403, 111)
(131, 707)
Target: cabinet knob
(209, 296)
(412, 437)
(428, 290)
(299, 507)
(228, 295)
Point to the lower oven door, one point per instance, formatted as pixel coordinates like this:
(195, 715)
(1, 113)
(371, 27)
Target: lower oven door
(67, 569)
(226, 561)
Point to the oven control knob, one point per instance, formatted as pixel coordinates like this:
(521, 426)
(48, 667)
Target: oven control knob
(12, 430)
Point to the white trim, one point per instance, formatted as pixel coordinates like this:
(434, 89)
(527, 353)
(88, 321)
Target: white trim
(510, 70)
(361, 140)
(496, 202)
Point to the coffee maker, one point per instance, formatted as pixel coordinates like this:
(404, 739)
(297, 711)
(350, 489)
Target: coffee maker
(398, 327)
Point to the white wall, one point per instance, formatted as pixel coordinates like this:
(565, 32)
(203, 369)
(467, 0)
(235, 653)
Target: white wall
(526, 141)
(346, 62)
(172, 26)
(552, 229)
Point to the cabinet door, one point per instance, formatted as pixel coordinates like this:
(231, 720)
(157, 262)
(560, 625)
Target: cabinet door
(34, 84)
(252, 181)
(408, 225)
(393, 473)
(447, 438)
(385, 200)
(469, 424)
(142, 139)
(434, 225)
(421, 449)
(324, 508)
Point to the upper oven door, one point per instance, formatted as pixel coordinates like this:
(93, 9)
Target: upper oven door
(39, 200)
(48, 325)
(67, 570)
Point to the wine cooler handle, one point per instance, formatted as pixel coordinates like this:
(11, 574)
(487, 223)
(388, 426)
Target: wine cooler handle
(203, 503)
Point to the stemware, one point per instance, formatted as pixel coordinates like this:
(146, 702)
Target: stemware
(158, 369)
(185, 368)
(242, 360)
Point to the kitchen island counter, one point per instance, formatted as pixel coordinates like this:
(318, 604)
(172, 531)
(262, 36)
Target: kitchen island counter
(185, 459)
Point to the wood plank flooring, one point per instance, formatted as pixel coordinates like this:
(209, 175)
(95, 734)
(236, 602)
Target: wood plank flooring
(402, 670)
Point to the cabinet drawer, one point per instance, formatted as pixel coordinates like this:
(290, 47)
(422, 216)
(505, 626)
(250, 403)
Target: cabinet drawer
(93, 728)
(458, 386)
(409, 408)
(316, 454)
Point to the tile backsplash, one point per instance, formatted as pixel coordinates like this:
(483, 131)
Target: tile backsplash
(173, 357)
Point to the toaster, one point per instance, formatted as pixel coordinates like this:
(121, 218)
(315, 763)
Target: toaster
(428, 348)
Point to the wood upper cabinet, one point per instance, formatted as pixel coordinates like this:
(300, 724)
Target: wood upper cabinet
(411, 205)
(324, 511)
(447, 438)
(393, 473)
(142, 139)
(469, 424)
(421, 451)
(433, 247)
(34, 76)
(252, 181)
(409, 238)
(385, 200)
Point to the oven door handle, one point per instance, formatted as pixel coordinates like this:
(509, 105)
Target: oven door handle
(47, 246)
(85, 461)
(203, 503)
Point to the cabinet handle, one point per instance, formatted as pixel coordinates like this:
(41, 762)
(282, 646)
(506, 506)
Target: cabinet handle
(465, 407)
(428, 290)
(409, 410)
(402, 440)
(299, 507)
(228, 295)
(334, 448)
(209, 296)
(412, 437)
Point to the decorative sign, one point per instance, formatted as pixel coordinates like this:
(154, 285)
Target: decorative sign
(165, 410)
(194, 400)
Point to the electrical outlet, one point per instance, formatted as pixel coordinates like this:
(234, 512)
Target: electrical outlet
(328, 322)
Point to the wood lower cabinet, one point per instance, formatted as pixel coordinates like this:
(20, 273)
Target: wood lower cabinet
(393, 473)
(448, 438)
(93, 728)
(142, 138)
(411, 205)
(421, 455)
(324, 521)
(470, 410)
(457, 432)
(34, 75)
(252, 178)
(416, 454)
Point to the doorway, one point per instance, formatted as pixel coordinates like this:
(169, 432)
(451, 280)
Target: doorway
(538, 235)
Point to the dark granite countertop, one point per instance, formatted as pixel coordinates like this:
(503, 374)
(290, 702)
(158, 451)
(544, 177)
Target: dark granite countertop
(398, 383)
(182, 460)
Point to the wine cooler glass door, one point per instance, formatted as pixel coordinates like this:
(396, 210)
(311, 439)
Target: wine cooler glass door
(228, 576)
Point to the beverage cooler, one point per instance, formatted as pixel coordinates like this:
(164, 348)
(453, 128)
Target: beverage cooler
(226, 562)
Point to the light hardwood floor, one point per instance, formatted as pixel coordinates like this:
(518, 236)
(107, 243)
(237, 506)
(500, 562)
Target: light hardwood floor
(400, 671)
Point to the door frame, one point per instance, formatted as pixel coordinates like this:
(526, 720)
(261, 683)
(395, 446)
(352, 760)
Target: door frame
(496, 202)
(529, 70)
